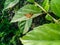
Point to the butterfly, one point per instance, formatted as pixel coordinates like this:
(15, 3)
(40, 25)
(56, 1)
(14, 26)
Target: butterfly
(29, 15)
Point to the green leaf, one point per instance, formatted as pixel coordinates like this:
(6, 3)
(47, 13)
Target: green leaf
(25, 26)
(21, 26)
(20, 14)
(48, 17)
(47, 34)
(10, 3)
(55, 7)
(13, 40)
(46, 5)
(30, 1)
(2, 34)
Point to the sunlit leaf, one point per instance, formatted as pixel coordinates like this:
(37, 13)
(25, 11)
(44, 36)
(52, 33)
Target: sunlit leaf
(47, 34)
(46, 5)
(10, 3)
(24, 26)
(20, 14)
(55, 7)
(48, 17)
(27, 25)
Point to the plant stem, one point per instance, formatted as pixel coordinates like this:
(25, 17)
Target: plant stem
(56, 21)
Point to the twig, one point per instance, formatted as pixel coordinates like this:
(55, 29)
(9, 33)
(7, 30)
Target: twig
(56, 21)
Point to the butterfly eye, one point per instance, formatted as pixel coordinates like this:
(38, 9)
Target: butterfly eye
(29, 15)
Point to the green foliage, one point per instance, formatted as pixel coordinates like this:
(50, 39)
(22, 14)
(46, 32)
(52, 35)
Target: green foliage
(48, 17)
(30, 1)
(19, 17)
(27, 25)
(20, 14)
(10, 3)
(47, 34)
(46, 5)
(55, 7)
(24, 26)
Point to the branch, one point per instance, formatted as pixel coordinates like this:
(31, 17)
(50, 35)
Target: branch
(56, 21)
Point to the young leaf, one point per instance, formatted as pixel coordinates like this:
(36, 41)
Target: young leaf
(47, 34)
(30, 1)
(48, 17)
(10, 3)
(25, 26)
(46, 5)
(20, 14)
(21, 26)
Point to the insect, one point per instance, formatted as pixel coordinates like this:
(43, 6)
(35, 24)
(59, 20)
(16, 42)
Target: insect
(29, 15)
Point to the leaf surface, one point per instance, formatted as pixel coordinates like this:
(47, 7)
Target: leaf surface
(10, 3)
(20, 14)
(55, 7)
(47, 34)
